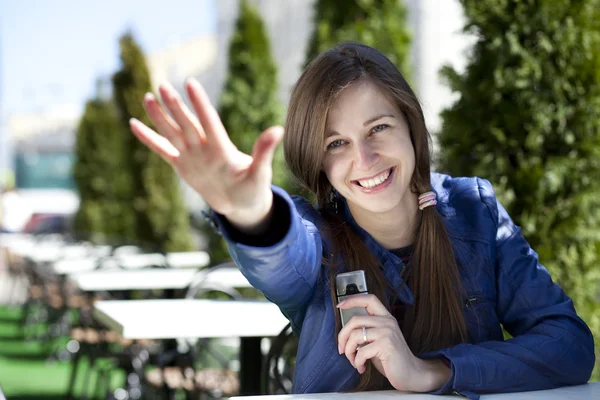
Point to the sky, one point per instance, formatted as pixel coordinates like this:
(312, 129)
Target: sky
(52, 52)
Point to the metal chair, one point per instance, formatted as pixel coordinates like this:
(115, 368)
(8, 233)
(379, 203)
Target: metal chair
(278, 368)
(176, 369)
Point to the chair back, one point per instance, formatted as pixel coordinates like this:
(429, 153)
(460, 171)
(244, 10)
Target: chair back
(278, 367)
(200, 287)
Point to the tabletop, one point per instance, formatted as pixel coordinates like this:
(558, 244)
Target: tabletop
(174, 318)
(590, 391)
(159, 278)
(132, 261)
(118, 279)
(52, 251)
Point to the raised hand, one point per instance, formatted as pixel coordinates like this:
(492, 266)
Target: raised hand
(233, 183)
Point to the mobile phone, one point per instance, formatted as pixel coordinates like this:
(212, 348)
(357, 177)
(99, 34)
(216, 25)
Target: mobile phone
(351, 284)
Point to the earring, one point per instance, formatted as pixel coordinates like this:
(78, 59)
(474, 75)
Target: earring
(333, 201)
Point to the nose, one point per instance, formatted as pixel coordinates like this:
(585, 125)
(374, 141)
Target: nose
(365, 156)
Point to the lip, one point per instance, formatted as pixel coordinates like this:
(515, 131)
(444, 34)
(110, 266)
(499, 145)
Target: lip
(378, 188)
(372, 176)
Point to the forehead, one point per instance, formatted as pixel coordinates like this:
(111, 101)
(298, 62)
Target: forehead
(358, 103)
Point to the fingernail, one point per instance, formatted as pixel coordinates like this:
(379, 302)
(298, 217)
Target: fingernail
(166, 90)
(341, 303)
(132, 120)
(279, 130)
(191, 79)
(149, 97)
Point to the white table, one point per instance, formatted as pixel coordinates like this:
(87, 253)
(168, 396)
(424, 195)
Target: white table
(159, 278)
(16, 241)
(171, 319)
(132, 261)
(591, 391)
(49, 251)
(27, 241)
(174, 260)
(123, 280)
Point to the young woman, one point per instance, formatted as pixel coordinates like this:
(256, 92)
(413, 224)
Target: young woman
(446, 266)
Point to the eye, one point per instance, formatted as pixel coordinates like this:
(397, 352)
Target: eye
(335, 144)
(379, 128)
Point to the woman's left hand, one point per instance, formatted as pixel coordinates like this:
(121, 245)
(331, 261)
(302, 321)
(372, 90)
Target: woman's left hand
(386, 347)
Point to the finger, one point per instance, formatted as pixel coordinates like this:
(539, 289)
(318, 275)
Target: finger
(357, 339)
(163, 122)
(368, 301)
(366, 353)
(192, 131)
(209, 118)
(356, 323)
(154, 141)
(264, 149)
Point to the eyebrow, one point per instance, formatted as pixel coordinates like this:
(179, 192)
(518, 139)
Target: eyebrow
(367, 122)
(371, 120)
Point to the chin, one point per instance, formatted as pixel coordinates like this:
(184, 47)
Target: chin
(375, 206)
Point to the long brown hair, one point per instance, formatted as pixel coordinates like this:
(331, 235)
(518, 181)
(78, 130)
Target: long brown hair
(435, 320)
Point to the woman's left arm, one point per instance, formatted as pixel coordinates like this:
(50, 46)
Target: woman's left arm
(551, 345)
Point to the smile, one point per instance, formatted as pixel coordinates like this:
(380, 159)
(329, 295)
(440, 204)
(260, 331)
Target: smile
(377, 181)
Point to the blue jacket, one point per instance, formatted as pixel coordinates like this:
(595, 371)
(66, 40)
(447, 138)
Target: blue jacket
(503, 281)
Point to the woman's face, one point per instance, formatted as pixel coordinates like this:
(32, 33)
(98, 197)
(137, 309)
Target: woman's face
(369, 156)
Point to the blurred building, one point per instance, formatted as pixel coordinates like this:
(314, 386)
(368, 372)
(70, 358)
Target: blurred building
(4, 140)
(42, 159)
(289, 24)
(438, 40)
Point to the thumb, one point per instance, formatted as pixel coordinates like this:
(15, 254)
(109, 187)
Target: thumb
(264, 149)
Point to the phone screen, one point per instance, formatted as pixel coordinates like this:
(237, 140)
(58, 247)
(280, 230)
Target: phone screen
(351, 284)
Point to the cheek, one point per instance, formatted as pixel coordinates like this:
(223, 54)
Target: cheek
(402, 149)
(335, 167)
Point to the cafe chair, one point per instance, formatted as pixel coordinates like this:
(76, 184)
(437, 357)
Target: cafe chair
(90, 342)
(278, 367)
(176, 370)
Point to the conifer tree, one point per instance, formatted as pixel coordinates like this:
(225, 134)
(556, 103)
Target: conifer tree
(161, 219)
(99, 175)
(377, 23)
(528, 119)
(248, 103)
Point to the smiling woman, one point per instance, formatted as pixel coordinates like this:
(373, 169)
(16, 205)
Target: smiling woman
(444, 263)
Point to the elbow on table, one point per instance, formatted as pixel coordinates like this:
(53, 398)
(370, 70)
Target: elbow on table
(581, 360)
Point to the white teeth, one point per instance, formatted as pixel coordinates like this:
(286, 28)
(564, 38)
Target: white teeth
(369, 183)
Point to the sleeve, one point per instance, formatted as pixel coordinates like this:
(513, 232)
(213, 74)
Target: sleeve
(285, 262)
(551, 345)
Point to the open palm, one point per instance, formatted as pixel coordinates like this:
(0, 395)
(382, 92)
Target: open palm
(232, 183)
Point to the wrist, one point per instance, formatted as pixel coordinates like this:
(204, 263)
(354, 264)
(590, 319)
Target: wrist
(432, 374)
(254, 221)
